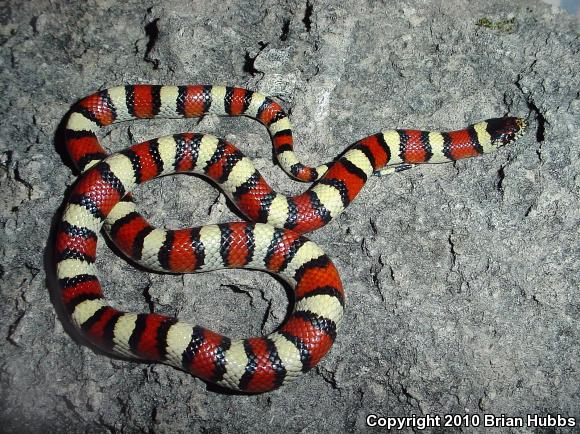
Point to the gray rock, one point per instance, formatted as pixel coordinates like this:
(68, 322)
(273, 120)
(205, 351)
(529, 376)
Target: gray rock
(462, 278)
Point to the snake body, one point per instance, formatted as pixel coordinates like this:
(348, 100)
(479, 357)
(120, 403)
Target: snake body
(272, 242)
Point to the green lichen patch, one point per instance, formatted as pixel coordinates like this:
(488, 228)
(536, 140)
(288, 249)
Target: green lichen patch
(506, 26)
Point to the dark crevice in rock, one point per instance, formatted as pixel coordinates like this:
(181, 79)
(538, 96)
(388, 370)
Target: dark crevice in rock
(327, 376)
(237, 290)
(529, 297)
(12, 330)
(373, 225)
(152, 32)
(34, 25)
(249, 60)
(500, 178)
(285, 30)
(149, 299)
(69, 404)
(452, 250)
(22, 181)
(267, 313)
(249, 64)
(377, 283)
(6, 160)
(307, 20)
(123, 405)
(540, 118)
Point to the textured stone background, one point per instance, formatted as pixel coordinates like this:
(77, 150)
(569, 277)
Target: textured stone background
(462, 278)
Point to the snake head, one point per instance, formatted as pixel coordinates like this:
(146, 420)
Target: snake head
(504, 131)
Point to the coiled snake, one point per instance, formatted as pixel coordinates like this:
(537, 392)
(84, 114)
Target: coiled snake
(271, 242)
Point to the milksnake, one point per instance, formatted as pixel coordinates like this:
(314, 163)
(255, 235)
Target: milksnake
(272, 241)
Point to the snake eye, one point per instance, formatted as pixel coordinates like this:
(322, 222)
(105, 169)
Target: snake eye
(505, 130)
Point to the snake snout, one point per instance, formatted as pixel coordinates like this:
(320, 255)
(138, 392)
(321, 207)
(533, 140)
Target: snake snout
(504, 131)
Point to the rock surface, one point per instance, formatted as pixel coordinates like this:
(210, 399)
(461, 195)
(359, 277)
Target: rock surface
(462, 278)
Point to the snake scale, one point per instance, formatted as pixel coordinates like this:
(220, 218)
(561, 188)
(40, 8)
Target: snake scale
(271, 241)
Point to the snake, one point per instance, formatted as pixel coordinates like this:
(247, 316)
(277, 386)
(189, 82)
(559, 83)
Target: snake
(271, 240)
